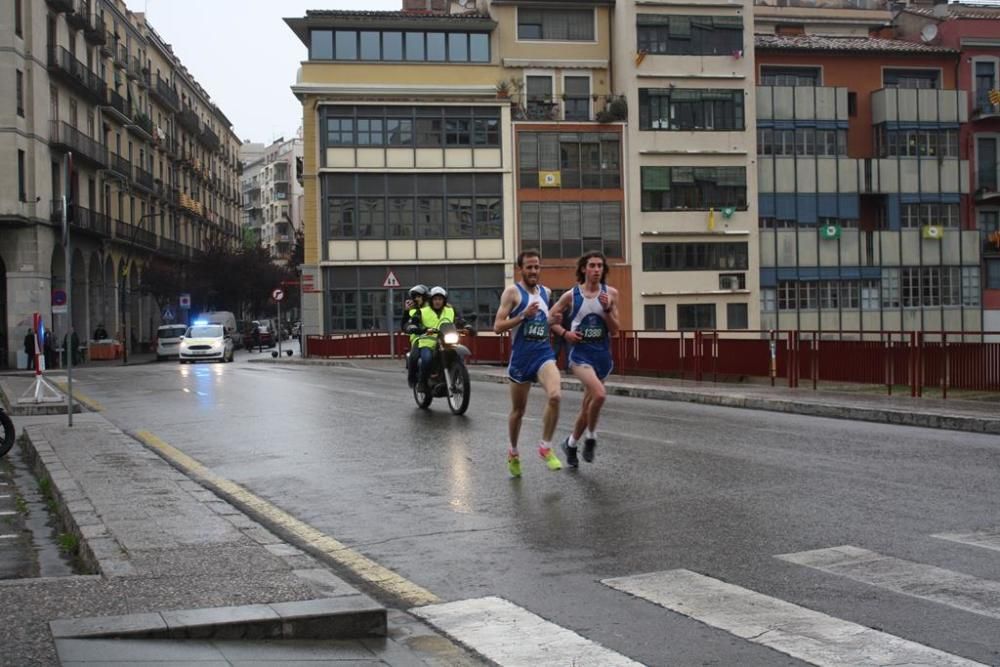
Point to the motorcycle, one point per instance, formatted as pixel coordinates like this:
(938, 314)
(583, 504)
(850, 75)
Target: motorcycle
(6, 432)
(448, 375)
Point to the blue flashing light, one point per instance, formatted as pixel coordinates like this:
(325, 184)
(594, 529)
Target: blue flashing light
(199, 323)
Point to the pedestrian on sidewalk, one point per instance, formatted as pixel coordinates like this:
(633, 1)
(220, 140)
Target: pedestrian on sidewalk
(593, 313)
(29, 348)
(524, 309)
(256, 340)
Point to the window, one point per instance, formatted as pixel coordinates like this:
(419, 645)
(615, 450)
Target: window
(568, 229)
(562, 25)
(916, 143)
(18, 28)
(787, 299)
(852, 104)
(22, 193)
(654, 317)
(690, 109)
(697, 188)
(340, 131)
(808, 293)
(677, 35)
(736, 316)
(911, 287)
(768, 300)
(409, 126)
(407, 206)
(870, 294)
(576, 95)
(914, 216)
(986, 80)
(541, 105)
(986, 164)
(910, 78)
(696, 316)
(790, 76)
(694, 256)
(583, 159)
(395, 46)
(992, 274)
(20, 93)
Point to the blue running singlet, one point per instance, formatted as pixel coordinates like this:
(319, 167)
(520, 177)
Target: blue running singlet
(530, 348)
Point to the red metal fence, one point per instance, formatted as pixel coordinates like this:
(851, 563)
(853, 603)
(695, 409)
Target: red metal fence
(944, 360)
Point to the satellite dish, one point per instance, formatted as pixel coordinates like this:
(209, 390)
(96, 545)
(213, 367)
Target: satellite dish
(929, 33)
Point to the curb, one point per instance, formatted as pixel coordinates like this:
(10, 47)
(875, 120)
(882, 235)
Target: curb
(898, 417)
(349, 617)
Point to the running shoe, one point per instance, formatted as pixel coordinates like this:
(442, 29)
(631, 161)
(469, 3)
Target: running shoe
(589, 445)
(550, 458)
(513, 463)
(571, 460)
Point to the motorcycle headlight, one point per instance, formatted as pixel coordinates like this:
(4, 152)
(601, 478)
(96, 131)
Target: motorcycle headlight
(451, 338)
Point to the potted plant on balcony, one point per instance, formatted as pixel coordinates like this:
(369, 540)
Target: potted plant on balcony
(615, 110)
(503, 89)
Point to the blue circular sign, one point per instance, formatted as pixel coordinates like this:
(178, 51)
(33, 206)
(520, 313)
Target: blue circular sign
(58, 297)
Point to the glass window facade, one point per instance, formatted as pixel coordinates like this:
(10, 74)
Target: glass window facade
(694, 256)
(569, 229)
(693, 188)
(583, 159)
(677, 35)
(395, 46)
(562, 25)
(690, 109)
(411, 126)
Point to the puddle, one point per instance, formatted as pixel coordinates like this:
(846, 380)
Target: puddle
(43, 526)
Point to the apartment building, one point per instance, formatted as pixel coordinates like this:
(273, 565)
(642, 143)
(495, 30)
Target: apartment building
(974, 32)
(686, 71)
(275, 197)
(407, 162)
(251, 158)
(864, 183)
(154, 167)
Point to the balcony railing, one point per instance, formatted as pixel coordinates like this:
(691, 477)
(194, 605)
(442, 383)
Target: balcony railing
(175, 248)
(991, 243)
(985, 108)
(83, 219)
(165, 93)
(134, 67)
(119, 104)
(188, 119)
(121, 165)
(68, 137)
(76, 73)
(209, 138)
(109, 45)
(143, 122)
(134, 235)
(123, 56)
(60, 5)
(143, 178)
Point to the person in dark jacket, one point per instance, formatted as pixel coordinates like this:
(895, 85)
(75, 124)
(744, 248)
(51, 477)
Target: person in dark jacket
(29, 347)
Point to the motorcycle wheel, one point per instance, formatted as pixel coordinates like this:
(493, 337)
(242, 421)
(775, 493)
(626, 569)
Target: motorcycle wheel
(6, 433)
(423, 398)
(458, 397)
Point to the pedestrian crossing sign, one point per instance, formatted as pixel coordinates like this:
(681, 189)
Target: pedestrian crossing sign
(830, 232)
(933, 232)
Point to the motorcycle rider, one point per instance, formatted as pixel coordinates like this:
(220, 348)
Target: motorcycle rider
(418, 296)
(425, 324)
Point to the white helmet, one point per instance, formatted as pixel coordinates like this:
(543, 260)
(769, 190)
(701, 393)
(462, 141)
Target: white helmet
(437, 290)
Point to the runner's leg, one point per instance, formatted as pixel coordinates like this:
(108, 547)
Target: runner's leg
(518, 401)
(551, 381)
(593, 400)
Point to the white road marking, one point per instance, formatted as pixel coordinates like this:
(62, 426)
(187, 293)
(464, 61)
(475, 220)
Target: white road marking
(513, 637)
(927, 582)
(984, 539)
(8, 537)
(7, 513)
(802, 633)
(6, 495)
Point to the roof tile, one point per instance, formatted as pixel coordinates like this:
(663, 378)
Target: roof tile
(844, 44)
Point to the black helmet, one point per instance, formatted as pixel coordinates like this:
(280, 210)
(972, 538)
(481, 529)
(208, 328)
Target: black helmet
(419, 290)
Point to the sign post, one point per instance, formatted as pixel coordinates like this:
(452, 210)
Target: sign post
(390, 282)
(278, 295)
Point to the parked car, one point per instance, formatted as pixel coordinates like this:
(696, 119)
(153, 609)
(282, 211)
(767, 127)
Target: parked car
(168, 339)
(205, 342)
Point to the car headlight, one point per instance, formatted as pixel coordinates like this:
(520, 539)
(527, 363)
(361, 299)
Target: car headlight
(451, 338)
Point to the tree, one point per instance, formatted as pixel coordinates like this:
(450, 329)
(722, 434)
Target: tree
(164, 281)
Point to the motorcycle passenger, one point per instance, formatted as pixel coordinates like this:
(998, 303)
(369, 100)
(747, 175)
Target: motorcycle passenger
(427, 320)
(418, 295)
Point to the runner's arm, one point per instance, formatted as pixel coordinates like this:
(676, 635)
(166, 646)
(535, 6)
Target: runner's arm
(504, 322)
(611, 314)
(556, 318)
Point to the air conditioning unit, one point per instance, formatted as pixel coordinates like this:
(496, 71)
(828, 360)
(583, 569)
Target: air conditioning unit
(731, 283)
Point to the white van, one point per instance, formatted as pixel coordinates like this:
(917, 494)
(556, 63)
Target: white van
(228, 322)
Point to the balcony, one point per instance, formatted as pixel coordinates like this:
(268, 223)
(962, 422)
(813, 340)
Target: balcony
(143, 179)
(188, 119)
(209, 138)
(134, 235)
(119, 105)
(64, 64)
(95, 33)
(82, 219)
(165, 94)
(173, 248)
(60, 5)
(133, 68)
(869, 5)
(121, 165)
(66, 137)
(109, 45)
(907, 105)
(79, 18)
(142, 126)
(801, 102)
(991, 244)
(985, 109)
(122, 60)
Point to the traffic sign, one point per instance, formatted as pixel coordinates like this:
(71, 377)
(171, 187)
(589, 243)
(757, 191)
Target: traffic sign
(168, 314)
(185, 301)
(278, 295)
(390, 280)
(58, 297)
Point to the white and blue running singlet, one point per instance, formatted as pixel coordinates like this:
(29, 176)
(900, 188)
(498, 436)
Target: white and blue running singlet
(530, 348)
(588, 320)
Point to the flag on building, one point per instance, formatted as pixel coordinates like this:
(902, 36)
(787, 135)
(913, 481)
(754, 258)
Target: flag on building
(830, 232)
(934, 232)
(711, 219)
(994, 97)
(549, 179)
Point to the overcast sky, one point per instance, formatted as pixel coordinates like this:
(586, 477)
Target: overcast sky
(244, 55)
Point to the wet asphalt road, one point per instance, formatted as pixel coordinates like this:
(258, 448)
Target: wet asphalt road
(713, 490)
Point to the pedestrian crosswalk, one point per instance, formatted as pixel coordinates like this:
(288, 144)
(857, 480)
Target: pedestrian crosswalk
(512, 636)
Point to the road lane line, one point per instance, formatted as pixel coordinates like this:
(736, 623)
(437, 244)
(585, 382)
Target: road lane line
(361, 565)
(8, 537)
(82, 398)
(510, 635)
(7, 513)
(983, 539)
(802, 633)
(926, 582)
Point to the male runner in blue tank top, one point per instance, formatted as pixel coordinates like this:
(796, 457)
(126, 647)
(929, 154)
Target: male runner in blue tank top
(593, 316)
(524, 310)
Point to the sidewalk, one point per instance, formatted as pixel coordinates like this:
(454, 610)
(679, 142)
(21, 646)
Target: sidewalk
(951, 414)
(180, 576)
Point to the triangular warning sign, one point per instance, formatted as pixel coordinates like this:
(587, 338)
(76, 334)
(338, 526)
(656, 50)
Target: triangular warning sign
(390, 280)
